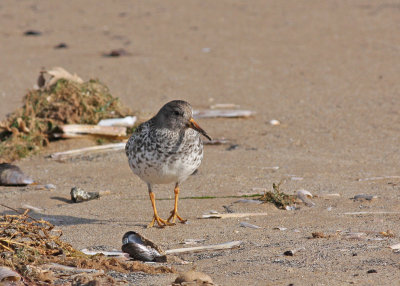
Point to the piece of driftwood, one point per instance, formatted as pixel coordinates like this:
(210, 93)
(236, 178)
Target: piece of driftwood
(57, 73)
(370, 213)
(56, 266)
(227, 113)
(111, 147)
(378, 178)
(216, 142)
(127, 121)
(105, 253)
(230, 215)
(32, 208)
(224, 105)
(82, 130)
(221, 246)
(328, 196)
(107, 147)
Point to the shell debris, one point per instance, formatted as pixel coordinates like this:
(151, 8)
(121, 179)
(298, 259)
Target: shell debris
(11, 175)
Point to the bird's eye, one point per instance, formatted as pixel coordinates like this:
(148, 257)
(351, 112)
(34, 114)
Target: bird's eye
(177, 113)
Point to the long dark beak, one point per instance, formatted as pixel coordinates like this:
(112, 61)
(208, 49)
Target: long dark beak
(195, 126)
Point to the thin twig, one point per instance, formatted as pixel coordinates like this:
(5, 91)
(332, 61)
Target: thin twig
(17, 211)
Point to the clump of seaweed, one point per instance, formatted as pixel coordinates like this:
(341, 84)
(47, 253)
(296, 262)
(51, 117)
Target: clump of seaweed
(64, 100)
(277, 197)
(28, 244)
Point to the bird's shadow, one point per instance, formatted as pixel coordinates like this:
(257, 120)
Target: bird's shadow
(66, 220)
(57, 220)
(61, 199)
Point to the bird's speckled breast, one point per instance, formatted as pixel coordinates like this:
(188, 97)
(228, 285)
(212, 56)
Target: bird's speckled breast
(161, 156)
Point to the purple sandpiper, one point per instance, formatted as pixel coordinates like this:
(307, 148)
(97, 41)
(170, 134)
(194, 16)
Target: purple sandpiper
(166, 149)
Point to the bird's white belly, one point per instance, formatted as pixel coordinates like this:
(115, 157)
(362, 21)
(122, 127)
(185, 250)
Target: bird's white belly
(171, 172)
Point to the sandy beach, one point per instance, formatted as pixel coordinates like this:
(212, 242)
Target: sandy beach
(326, 70)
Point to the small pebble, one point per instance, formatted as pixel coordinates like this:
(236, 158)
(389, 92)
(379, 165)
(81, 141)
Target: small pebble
(362, 197)
(232, 147)
(50, 187)
(249, 225)
(372, 271)
(116, 53)
(288, 253)
(61, 46)
(32, 33)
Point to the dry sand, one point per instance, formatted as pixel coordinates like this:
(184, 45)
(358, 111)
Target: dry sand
(327, 70)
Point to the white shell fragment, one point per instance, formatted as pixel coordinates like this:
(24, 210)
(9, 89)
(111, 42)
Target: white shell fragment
(274, 122)
(128, 121)
(304, 195)
(193, 241)
(192, 277)
(249, 225)
(11, 175)
(395, 247)
(273, 168)
(8, 275)
(280, 228)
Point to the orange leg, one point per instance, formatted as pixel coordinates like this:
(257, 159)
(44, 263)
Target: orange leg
(174, 213)
(156, 218)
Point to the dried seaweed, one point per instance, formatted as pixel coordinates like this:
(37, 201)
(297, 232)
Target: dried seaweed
(277, 197)
(65, 102)
(27, 243)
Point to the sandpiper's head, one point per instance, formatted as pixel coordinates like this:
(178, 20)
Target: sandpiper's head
(177, 115)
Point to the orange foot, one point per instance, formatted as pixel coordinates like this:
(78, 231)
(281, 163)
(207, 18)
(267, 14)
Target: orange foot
(161, 222)
(174, 215)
